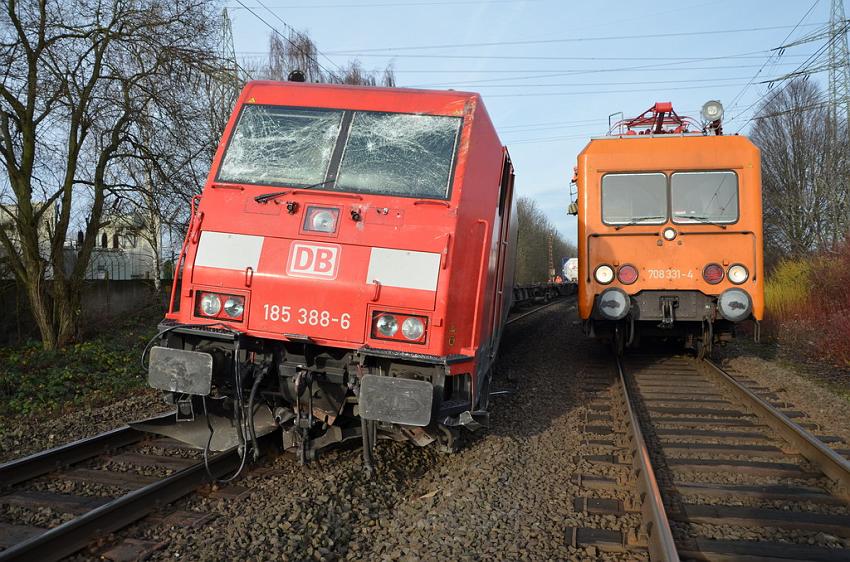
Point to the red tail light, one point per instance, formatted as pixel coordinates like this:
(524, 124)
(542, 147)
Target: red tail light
(713, 274)
(627, 274)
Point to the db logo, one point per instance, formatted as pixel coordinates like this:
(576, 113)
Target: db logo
(313, 260)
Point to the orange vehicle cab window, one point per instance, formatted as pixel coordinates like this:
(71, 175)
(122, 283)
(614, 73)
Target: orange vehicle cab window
(709, 197)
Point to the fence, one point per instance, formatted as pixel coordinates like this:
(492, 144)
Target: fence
(102, 300)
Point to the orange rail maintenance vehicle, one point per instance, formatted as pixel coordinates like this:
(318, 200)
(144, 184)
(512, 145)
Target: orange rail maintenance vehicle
(346, 274)
(670, 230)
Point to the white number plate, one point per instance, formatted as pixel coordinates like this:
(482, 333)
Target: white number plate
(305, 316)
(670, 274)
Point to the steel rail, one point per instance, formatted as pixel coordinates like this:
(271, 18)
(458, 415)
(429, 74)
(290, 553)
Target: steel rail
(836, 467)
(75, 534)
(37, 464)
(530, 312)
(662, 547)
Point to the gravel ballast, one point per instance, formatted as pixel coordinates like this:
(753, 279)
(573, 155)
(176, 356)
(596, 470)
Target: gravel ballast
(507, 495)
(33, 435)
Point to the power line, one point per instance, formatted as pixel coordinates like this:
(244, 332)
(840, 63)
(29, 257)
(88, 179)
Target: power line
(754, 55)
(278, 18)
(798, 109)
(839, 59)
(797, 72)
(544, 58)
(566, 40)
(285, 38)
(639, 83)
(774, 52)
(598, 92)
(502, 128)
(667, 68)
(508, 130)
(358, 6)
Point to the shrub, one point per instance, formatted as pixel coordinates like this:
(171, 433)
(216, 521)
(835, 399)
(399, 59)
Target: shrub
(104, 368)
(808, 303)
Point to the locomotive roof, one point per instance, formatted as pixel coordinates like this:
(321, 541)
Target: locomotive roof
(366, 98)
(706, 151)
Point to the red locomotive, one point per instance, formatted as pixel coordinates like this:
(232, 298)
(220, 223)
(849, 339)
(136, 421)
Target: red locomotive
(351, 256)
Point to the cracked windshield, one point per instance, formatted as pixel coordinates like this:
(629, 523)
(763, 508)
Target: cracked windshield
(281, 145)
(409, 155)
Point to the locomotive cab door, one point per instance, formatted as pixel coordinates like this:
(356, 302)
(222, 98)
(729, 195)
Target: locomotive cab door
(504, 265)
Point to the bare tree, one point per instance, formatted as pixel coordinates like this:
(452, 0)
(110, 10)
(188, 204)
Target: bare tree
(77, 77)
(533, 233)
(297, 51)
(804, 171)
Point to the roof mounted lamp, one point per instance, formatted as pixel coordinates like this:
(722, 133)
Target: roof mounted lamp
(712, 113)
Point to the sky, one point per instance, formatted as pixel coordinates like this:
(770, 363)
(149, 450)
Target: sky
(551, 72)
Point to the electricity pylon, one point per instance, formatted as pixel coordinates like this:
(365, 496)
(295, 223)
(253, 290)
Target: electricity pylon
(839, 65)
(223, 84)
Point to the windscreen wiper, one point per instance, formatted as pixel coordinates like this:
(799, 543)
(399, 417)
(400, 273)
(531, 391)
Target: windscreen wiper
(639, 220)
(703, 219)
(266, 197)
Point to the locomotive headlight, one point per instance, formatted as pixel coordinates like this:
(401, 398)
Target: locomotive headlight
(738, 274)
(387, 325)
(604, 274)
(614, 304)
(210, 304)
(412, 328)
(234, 307)
(669, 234)
(712, 111)
(321, 219)
(735, 304)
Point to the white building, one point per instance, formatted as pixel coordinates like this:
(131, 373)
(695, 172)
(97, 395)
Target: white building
(124, 249)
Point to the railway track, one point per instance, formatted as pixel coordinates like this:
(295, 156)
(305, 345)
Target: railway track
(519, 316)
(95, 486)
(56, 502)
(720, 468)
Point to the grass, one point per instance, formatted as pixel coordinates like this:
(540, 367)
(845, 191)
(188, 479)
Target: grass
(102, 369)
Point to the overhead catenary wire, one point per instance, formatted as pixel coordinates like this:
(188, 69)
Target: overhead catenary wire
(666, 68)
(292, 29)
(599, 92)
(564, 40)
(806, 64)
(284, 37)
(754, 55)
(358, 6)
(774, 53)
(637, 83)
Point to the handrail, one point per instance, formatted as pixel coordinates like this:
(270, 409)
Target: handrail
(182, 254)
(481, 269)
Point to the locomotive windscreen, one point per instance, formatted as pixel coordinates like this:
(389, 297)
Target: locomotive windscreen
(409, 155)
(281, 145)
(399, 154)
(704, 196)
(634, 198)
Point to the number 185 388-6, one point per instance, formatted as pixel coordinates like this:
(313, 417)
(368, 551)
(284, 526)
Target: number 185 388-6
(305, 316)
